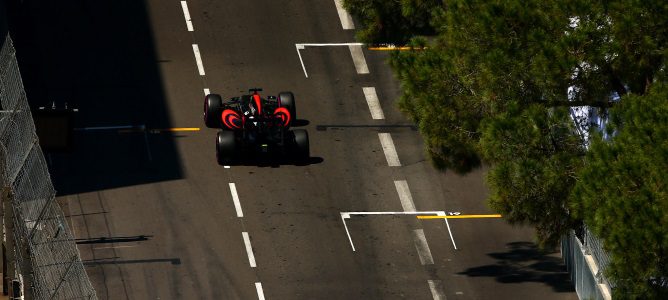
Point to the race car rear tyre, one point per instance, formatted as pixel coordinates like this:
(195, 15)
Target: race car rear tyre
(226, 147)
(287, 100)
(301, 144)
(213, 107)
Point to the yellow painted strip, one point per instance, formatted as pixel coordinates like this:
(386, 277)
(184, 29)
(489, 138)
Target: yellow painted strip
(389, 48)
(178, 129)
(160, 130)
(459, 217)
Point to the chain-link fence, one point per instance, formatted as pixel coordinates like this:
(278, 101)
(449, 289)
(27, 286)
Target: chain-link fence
(585, 263)
(39, 243)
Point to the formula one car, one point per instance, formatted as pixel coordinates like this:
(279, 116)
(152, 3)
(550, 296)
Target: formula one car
(251, 124)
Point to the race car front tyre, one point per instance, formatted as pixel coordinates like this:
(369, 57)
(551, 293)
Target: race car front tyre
(226, 147)
(301, 144)
(287, 100)
(213, 107)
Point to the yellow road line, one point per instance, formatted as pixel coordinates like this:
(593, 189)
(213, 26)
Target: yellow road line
(459, 217)
(389, 48)
(175, 129)
(178, 129)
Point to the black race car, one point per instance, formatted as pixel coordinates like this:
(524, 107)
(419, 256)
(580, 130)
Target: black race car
(251, 124)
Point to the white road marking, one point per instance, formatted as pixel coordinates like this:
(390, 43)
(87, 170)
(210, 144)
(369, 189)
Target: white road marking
(260, 292)
(186, 14)
(206, 92)
(436, 287)
(358, 59)
(422, 247)
(235, 198)
(389, 150)
(226, 167)
(249, 249)
(198, 59)
(346, 19)
(346, 215)
(405, 195)
(374, 104)
(304, 45)
(301, 47)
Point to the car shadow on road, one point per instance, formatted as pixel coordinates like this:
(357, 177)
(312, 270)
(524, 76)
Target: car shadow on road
(525, 262)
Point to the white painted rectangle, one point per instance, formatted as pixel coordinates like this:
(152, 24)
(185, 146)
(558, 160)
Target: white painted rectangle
(206, 92)
(405, 195)
(344, 16)
(235, 199)
(186, 14)
(422, 247)
(198, 59)
(374, 104)
(249, 249)
(260, 292)
(436, 287)
(389, 150)
(358, 59)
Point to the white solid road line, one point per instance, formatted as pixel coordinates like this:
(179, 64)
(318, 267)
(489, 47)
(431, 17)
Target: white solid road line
(235, 198)
(346, 19)
(198, 58)
(436, 287)
(346, 215)
(358, 59)
(389, 150)
(422, 247)
(260, 292)
(405, 195)
(374, 104)
(249, 249)
(206, 92)
(186, 14)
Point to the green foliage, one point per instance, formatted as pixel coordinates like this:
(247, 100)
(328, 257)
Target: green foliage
(535, 158)
(493, 86)
(622, 194)
(391, 21)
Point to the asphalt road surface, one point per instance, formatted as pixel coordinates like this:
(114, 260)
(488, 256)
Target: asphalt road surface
(157, 218)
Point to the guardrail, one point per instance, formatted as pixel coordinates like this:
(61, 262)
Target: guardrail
(39, 247)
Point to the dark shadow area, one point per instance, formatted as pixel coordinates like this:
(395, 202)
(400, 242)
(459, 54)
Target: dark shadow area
(275, 161)
(524, 262)
(98, 57)
(376, 126)
(300, 123)
(114, 239)
(173, 261)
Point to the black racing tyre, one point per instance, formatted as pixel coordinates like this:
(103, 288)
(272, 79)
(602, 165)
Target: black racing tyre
(301, 144)
(226, 147)
(287, 100)
(213, 107)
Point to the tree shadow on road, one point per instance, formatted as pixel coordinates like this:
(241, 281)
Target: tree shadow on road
(525, 262)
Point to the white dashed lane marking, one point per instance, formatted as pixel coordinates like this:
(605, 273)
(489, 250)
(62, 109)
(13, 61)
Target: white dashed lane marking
(358, 59)
(374, 104)
(436, 287)
(260, 292)
(389, 150)
(249, 249)
(186, 14)
(344, 16)
(422, 247)
(405, 195)
(235, 199)
(198, 59)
